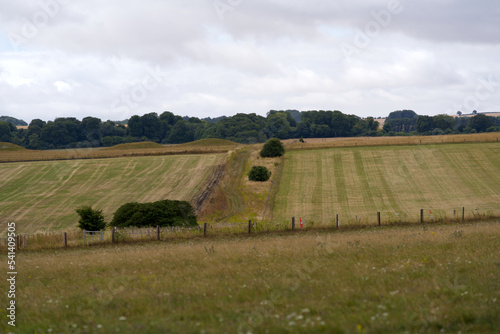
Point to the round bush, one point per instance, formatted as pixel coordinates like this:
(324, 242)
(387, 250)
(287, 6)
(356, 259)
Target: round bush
(259, 174)
(272, 148)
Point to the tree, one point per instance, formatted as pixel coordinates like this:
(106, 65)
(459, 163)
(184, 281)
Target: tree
(399, 114)
(90, 219)
(135, 126)
(161, 213)
(151, 126)
(6, 131)
(91, 128)
(425, 124)
(259, 174)
(481, 122)
(443, 122)
(272, 148)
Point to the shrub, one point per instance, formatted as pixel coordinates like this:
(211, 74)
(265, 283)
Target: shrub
(272, 148)
(259, 174)
(161, 213)
(90, 219)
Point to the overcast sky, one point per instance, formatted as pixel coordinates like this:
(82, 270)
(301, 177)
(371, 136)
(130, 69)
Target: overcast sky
(117, 58)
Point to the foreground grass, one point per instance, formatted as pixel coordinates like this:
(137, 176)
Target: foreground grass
(424, 279)
(395, 180)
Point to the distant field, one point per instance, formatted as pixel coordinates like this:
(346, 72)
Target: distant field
(395, 180)
(315, 143)
(14, 153)
(44, 195)
(418, 279)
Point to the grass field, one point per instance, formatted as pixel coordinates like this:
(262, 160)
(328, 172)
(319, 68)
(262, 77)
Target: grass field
(42, 196)
(14, 153)
(395, 180)
(420, 279)
(315, 143)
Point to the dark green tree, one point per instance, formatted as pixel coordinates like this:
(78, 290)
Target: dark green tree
(6, 130)
(481, 122)
(90, 219)
(259, 174)
(135, 126)
(272, 148)
(161, 213)
(425, 124)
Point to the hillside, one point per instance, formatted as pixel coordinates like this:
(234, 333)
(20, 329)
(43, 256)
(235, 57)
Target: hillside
(41, 196)
(398, 181)
(9, 147)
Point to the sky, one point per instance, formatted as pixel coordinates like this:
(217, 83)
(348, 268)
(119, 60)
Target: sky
(207, 58)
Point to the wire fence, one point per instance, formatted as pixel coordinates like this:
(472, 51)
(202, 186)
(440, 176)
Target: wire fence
(50, 240)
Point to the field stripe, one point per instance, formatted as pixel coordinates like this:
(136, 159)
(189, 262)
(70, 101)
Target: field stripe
(397, 181)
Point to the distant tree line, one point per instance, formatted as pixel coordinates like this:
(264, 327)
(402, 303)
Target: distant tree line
(407, 122)
(168, 128)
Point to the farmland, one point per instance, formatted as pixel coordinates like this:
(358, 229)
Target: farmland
(396, 180)
(419, 279)
(43, 195)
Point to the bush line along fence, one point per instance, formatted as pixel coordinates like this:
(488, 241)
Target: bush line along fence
(122, 235)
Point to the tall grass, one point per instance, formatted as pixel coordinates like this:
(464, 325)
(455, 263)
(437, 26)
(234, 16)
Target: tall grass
(397, 279)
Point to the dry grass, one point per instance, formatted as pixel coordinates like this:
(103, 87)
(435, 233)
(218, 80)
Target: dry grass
(122, 150)
(414, 279)
(41, 196)
(395, 180)
(317, 143)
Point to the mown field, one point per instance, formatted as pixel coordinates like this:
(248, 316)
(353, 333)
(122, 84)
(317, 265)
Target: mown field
(395, 180)
(418, 279)
(13, 153)
(43, 195)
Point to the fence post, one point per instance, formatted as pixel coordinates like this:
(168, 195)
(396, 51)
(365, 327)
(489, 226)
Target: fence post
(337, 221)
(378, 218)
(421, 216)
(249, 226)
(113, 234)
(463, 213)
(204, 229)
(65, 239)
(293, 223)
(158, 231)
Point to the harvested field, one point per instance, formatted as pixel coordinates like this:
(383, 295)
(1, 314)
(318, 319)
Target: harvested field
(397, 181)
(43, 195)
(214, 146)
(315, 143)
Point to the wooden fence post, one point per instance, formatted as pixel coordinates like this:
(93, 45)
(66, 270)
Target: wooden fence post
(17, 242)
(65, 239)
(421, 216)
(113, 234)
(378, 218)
(249, 226)
(158, 232)
(293, 223)
(463, 213)
(337, 221)
(204, 229)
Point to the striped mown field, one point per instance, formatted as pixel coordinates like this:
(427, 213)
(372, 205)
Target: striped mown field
(395, 180)
(43, 195)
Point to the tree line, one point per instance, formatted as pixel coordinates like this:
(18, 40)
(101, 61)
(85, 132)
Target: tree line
(168, 128)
